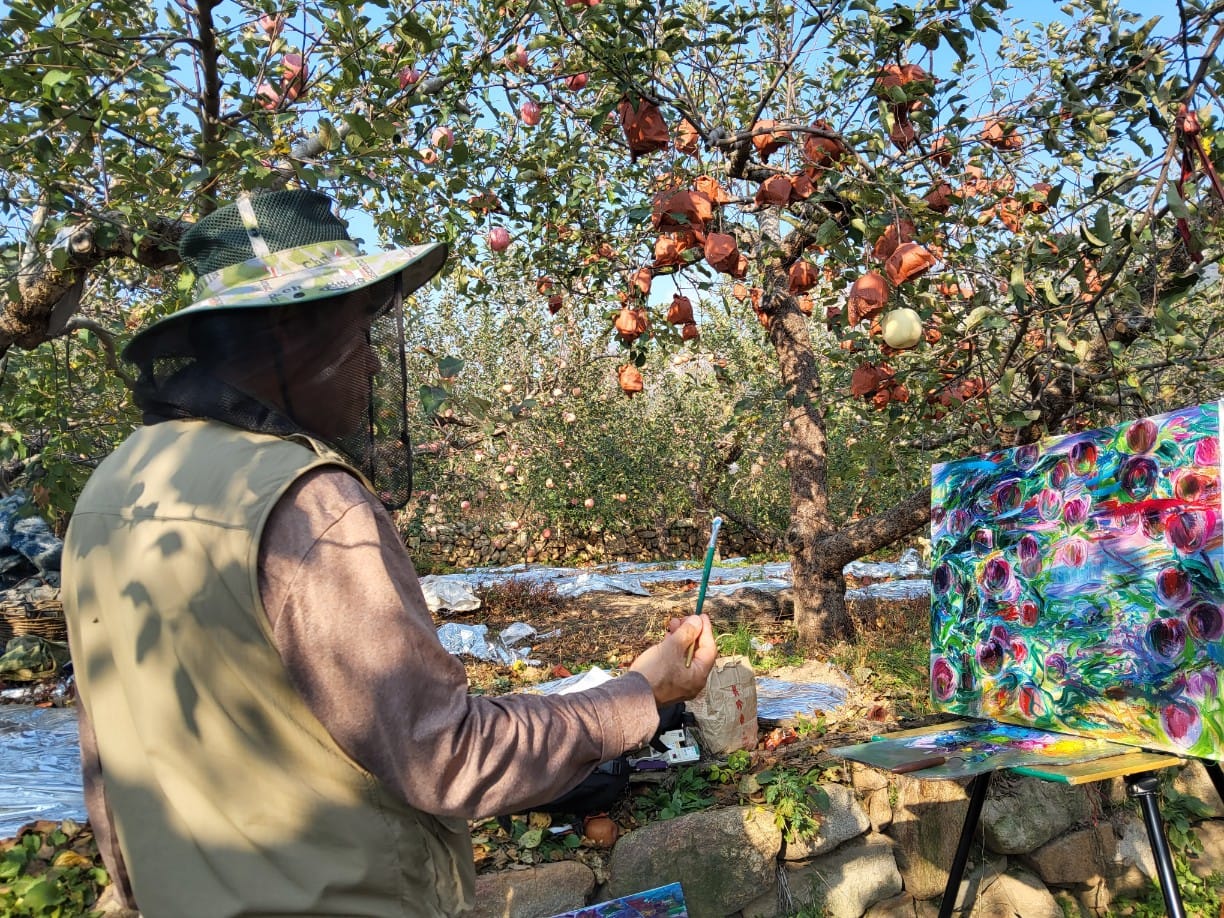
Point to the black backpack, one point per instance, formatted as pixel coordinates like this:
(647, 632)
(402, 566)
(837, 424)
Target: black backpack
(599, 790)
(596, 793)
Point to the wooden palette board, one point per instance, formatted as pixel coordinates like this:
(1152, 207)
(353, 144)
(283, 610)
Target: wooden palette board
(1118, 766)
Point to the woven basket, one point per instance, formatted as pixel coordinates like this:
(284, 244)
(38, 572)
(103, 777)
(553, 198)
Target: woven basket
(40, 617)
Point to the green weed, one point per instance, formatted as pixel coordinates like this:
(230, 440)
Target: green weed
(687, 792)
(737, 763)
(740, 642)
(797, 801)
(50, 870)
(1201, 896)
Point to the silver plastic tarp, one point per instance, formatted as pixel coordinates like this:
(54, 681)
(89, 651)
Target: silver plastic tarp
(779, 700)
(457, 592)
(40, 766)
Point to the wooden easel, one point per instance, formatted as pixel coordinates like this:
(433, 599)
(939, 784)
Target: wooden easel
(1140, 769)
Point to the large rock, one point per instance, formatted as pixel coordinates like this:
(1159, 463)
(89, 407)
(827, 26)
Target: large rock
(1017, 894)
(1194, 781)
(1014, 893)
(879, 809)
(1083, 858)
(899, 906)
(722, 857)
(842, 821)
(926, 826)
(844, 883)
(1133, 847)
(865, 778)
(1021, 814)
(544, 890)
(1211, 859)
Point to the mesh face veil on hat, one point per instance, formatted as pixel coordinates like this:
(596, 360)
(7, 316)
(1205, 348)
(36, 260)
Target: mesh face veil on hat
(293, 331)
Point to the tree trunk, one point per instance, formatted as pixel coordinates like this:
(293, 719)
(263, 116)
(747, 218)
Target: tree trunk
(818, 550)
(820, 602)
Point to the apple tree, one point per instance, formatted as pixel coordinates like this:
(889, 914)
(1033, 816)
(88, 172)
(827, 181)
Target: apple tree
(970, 230)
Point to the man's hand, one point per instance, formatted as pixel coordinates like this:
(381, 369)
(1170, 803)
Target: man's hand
(663, 664)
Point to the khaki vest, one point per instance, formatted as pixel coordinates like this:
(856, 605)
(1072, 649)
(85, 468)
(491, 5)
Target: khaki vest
(229, 797)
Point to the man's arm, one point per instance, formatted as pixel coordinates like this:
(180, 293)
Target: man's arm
(351, 624)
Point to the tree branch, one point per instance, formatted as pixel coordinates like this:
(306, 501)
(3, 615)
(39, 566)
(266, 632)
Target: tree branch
(26, 322)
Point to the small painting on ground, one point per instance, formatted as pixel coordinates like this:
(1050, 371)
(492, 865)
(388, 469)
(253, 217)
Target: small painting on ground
(1076, 584)
(663, 902)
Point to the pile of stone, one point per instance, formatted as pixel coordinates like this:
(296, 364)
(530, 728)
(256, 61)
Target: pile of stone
(885, 844)
(29, 551)
(31, 615)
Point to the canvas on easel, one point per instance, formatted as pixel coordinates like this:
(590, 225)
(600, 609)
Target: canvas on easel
(1077, 584)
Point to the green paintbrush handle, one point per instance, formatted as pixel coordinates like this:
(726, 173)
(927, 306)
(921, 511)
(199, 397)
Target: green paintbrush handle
(705, 580)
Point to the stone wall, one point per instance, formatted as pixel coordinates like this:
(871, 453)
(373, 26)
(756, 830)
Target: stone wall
(437, 544)
(1043, 850)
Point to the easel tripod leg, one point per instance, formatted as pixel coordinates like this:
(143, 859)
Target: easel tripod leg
(977, 796)
(1145, 788)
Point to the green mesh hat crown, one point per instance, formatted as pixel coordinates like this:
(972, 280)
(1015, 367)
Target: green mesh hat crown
(285, 247)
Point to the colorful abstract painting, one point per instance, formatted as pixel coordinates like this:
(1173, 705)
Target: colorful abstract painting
(1076, 584)
(970, 750)
(663, 902)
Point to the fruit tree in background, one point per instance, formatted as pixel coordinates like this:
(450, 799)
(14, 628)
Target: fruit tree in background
(974, 230)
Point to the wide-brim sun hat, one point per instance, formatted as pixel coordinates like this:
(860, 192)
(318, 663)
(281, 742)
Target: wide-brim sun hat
(276, 249)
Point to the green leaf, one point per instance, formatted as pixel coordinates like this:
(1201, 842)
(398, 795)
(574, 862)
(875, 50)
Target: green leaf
(432, 399)
(976, 317)
(531, 838)
(1102, 226)
(40, 895)
(1006, 380)
(1014, 419)
(1177, 206)
(329, 137)
(53, 78)
(449, 367)
(411, 26)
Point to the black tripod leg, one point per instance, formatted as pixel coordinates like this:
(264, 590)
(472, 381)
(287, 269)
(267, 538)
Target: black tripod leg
(977, 796)
(1145, 788)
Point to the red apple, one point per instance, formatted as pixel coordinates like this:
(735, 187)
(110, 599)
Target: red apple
(529, 111)
(576, 81)
(498, 239)
(293, 76)
(271, 24)
(267, 96)
(408, 76)
(443, 138)
(429, 156)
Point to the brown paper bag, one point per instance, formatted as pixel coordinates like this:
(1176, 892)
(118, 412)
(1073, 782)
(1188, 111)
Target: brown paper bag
(726, 709)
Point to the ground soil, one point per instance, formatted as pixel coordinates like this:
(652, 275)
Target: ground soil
(610, 629)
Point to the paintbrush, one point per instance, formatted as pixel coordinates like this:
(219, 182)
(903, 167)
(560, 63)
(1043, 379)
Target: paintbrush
(904, 768)
(705, 581)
